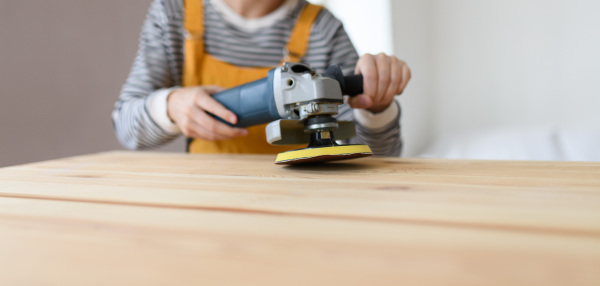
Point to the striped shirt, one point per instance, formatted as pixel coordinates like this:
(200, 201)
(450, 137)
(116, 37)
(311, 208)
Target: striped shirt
(158, 67)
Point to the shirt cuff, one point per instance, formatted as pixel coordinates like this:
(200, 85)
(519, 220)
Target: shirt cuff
(156, 104)
(376, 120)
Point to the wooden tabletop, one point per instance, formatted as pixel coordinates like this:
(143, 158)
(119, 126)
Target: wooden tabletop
(144, 218)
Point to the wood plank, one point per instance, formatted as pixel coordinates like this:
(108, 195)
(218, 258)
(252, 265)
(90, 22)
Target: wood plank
(70, 243)
(561, 197)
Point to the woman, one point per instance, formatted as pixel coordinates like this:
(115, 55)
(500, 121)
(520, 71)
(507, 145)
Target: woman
(190, 49)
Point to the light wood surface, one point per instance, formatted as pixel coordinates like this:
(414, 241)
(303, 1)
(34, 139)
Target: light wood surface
(144, 218)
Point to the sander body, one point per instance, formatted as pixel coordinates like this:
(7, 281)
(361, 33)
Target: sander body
(299, 106)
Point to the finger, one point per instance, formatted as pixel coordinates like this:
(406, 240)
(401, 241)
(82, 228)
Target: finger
(383, 69)
(209, 104)
(197, 131)
(205, 134)
(396, 79)
(367, 67)
(406, 76)
(217, 129)
(190, 126)
(360, 101)
(212, 89)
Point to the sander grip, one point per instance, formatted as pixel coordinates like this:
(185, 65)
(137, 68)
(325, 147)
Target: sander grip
(351, 85)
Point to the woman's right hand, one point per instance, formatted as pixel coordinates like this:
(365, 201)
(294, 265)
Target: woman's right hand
(187, 107)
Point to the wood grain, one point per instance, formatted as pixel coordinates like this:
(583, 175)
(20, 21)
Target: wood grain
(144, 218)
(527, 196)
(52, 243)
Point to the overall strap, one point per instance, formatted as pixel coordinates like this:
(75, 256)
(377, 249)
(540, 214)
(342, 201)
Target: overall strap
(298, 43)
(194, 42)
(194, 16)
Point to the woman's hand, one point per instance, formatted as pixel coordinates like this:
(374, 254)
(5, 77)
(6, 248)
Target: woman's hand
(383, 78)
(188, 108)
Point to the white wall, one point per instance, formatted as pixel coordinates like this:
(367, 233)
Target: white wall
(373, 28)
(512, 69)
(413, 42)
(368, 23)
(522, 68)
(516, 62)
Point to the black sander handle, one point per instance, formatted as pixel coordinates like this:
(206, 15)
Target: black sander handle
(351, 85)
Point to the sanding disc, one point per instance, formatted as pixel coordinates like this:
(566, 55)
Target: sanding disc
(323, 154)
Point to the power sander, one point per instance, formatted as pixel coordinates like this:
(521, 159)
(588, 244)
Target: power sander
(300, 106)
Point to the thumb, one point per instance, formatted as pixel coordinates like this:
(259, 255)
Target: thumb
(360, 101)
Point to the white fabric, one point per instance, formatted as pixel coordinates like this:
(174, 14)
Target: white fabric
(156, 103)
(254, 24)
(579, 142)
(376, 120)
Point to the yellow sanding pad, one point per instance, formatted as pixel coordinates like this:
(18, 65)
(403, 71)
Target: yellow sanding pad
(323, 154)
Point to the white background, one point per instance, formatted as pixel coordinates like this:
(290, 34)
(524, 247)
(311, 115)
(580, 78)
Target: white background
(515, 79)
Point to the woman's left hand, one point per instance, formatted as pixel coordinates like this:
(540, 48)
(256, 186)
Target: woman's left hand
(383, 78)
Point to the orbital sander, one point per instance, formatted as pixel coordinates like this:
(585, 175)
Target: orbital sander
(300, 106)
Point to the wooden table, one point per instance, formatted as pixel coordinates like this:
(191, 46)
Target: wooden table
(142, 218)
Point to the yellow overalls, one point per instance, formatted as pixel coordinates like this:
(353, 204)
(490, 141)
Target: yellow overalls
(201, 68)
